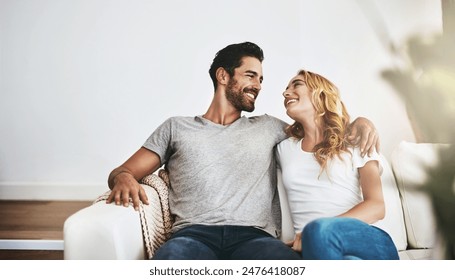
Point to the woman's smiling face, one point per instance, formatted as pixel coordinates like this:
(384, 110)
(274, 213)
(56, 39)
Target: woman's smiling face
(297, 98)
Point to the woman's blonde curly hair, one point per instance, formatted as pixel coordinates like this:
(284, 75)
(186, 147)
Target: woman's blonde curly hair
(331, 115)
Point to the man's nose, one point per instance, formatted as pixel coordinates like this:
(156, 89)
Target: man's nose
(257, 85)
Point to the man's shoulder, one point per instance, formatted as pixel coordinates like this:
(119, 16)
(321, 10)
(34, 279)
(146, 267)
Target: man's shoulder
(270, 126)
(268, 118)
(181, 119)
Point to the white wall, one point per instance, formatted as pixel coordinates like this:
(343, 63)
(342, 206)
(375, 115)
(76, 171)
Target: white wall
(84, 83)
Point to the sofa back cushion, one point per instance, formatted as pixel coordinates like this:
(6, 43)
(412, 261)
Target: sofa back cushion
(393, 222)
(287, 226)
(409, 162)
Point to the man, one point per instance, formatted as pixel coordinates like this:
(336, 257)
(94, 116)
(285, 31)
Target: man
(222, 169)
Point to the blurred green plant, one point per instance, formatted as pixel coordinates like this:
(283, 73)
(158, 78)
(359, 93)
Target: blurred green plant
(426, 83)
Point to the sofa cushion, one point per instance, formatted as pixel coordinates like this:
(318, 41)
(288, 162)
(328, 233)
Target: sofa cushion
(393, 222)
(416, 254)
(409, 162)
(287, 229)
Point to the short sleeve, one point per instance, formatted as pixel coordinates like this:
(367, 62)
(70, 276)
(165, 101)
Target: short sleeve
(159, 141)
(359, 161)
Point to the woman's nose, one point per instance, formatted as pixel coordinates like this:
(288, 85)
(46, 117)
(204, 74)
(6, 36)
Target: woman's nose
(286, 93)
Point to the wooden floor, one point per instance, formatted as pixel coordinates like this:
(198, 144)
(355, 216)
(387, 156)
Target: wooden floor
(34, 220)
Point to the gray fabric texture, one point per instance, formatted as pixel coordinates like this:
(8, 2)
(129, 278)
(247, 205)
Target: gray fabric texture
(221, 175)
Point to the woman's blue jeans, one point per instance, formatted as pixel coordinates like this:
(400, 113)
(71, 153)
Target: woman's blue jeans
(341, 238)
(201, 242)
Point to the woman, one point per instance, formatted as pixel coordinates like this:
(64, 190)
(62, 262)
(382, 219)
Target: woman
(334, 193)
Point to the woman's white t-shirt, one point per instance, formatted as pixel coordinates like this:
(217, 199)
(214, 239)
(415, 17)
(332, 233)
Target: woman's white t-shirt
(312, 194)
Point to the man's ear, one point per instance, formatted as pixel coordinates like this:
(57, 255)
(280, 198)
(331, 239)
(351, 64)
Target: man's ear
(222, 76)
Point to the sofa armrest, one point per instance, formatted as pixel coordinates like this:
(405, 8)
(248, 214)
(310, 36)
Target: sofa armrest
(108, 231)
(103, 231)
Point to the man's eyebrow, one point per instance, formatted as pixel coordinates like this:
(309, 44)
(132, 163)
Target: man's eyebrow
(255, 74)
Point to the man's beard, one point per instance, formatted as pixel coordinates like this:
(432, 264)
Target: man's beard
(238, 97)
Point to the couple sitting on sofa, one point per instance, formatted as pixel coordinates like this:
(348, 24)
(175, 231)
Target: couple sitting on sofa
(223, 172)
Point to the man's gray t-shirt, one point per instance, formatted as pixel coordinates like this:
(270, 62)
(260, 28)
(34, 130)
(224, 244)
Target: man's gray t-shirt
(221, 174)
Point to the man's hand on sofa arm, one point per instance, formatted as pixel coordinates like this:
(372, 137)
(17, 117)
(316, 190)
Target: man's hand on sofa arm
(124, 180)
(124, 186)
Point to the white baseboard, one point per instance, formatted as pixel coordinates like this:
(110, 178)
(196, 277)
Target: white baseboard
(51, 191)
(21, 244)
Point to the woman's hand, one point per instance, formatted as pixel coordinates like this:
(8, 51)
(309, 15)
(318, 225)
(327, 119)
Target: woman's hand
(296, 244)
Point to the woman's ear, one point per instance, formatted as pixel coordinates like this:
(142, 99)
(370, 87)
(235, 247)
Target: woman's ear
(222, 76)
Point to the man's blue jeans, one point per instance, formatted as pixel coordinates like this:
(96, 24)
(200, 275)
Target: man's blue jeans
(343, 238)
(201, 242)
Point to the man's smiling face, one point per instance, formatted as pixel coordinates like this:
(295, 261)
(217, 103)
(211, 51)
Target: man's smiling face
(244, 86)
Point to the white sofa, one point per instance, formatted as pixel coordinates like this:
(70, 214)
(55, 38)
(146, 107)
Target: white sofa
(106, 231)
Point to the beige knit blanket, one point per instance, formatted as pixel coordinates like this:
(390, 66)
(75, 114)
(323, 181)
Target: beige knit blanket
(156, 220)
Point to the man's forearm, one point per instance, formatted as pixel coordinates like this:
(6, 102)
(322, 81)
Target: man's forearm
(114, 173)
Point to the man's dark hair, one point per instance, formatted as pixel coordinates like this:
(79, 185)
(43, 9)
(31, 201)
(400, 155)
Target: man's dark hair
(231, 56)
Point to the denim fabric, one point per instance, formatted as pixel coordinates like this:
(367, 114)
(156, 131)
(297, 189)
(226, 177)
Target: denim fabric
(201, 242)
(343, 238)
